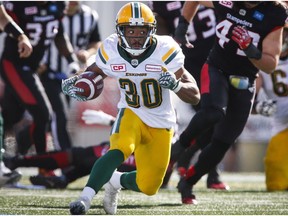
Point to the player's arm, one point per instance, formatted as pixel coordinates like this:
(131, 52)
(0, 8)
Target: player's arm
(266, 107)
(84, 54)
(68, 87)
(190, 8)
(188, 12)
(65, 48)
(271, 50)
(181, 83)
(94, 68)
(189, 91)
(13, 30)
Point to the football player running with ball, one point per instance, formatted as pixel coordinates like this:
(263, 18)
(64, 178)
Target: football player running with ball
(148, 68)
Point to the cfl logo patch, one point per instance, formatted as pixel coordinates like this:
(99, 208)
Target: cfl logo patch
(118, 67)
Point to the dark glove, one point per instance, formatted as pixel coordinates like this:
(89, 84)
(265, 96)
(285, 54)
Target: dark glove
(180, 35)
(241, 36)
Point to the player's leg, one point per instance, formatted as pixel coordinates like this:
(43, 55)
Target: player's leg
(59, 131)
(276, 163)
(225, 134)
(125, 133)
(214, 97)
(151, 170)
(29, 91)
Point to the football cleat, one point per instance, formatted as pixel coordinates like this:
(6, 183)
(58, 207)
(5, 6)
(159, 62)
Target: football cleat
(181, 171)
(214, 182)
(51, 182)
(186, 192)
(11, 177)
(218, 186)
(110, 200)
(80, 206)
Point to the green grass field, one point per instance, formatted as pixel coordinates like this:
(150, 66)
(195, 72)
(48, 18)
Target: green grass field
(246, 197)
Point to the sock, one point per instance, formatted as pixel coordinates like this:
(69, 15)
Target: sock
(88, 192)
(104, 168)
(115, 180)
(128, 180)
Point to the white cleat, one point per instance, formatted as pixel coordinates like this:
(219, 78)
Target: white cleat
(80, 206)
(110, 200)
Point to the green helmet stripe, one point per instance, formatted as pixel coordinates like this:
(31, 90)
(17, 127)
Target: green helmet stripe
(136, 10)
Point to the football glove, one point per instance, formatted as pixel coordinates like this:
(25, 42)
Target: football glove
(168, 80)
(69, 89)
(97, 117)
(180, 35)
(266, 107)
(241, 36)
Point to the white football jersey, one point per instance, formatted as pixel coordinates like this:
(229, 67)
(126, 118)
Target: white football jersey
(275, 86)
(137, 78)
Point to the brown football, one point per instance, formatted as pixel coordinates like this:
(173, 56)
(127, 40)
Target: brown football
(91, 83)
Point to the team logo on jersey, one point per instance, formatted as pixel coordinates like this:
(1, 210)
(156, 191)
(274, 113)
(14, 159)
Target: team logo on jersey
(228, 4)
(173, 5)
(242, 12)
(30, 10)
(258, 16)
(53, 8)
(118, 67)
(153, 68)
(134, 62)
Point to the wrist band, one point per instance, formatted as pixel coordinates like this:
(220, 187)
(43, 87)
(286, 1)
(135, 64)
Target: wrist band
(183, 20)
(177, 87)
(13, 30)
(253, 52)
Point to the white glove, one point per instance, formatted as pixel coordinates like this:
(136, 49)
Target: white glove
(168, 80)
(69, 89)
(97, 117)
(266, 107)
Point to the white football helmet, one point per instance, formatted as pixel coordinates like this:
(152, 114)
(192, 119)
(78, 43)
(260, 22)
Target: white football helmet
(135, 14)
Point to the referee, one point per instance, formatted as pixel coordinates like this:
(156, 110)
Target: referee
(81, 26)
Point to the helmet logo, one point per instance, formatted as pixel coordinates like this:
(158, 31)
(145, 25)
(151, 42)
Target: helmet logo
(136, 21)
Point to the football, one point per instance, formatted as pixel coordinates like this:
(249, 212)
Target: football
(91, 83)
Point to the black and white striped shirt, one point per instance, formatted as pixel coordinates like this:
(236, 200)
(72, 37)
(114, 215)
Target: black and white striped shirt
(82, 29)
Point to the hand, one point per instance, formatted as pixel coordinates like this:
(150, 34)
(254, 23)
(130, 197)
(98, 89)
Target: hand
(97, 117)
(83, 56)
(241, 36)
(73, 67)
(24, 46)
(168, 80)
(180, 35)
(69, 89)
(266, 107)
